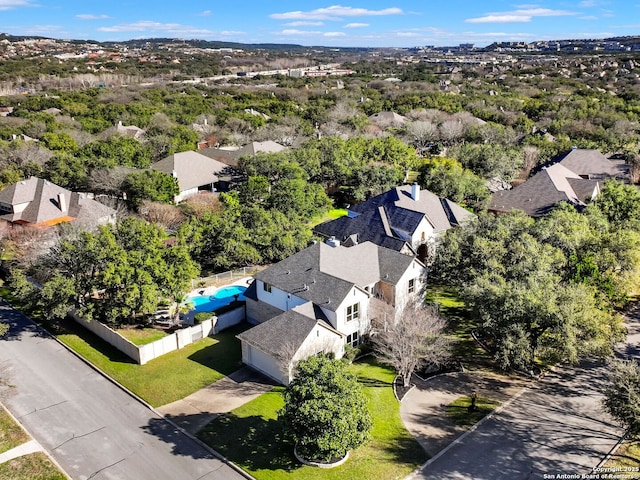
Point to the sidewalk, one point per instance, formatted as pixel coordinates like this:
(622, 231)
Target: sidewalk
(28, 447)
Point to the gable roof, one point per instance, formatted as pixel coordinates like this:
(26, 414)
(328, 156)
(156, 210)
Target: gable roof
(387, 117)
(192, 169)
(325, 275)
(389, 219)
(588, 163)
(39, 202)
(288, 330)
(544, 190)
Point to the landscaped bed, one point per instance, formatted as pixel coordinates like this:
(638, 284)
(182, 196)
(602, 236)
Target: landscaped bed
(251, 436)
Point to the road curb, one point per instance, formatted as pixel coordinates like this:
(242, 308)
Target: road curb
(216, 454)
(42, 449)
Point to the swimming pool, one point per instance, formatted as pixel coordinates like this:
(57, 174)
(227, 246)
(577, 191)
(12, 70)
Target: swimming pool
(221, 298)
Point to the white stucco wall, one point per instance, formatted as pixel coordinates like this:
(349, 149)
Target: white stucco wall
(361, 324)
(278, 298)
(424, 229)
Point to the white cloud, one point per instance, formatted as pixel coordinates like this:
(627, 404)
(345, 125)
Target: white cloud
(334, 12)
(304, 24)
(356, 25)
(13, 4)
(293, 31)
(89, 16)
(588, 17)
(206, 13)
(169, 29)
(334, 34)
(518, 16)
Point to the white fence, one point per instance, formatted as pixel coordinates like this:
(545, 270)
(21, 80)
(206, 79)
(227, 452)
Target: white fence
(225, 277)
(144, 353)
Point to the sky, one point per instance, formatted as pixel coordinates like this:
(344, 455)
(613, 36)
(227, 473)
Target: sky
(352, 23)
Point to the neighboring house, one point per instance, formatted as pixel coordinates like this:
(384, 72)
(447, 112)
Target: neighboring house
(130, 130)
(387, 118)
(320, 300)
(406, 219)
(231, 155)
(542, 192)
(575, 177)
(195, 173)
(40, 203)
(592, 164)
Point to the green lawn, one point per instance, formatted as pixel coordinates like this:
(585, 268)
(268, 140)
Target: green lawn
(142, 336)
(35, 466)
(251, 437)
(461, 323)
(330, 215)
(458, 410)
(167, 378)
(11, 434)
(627, 456)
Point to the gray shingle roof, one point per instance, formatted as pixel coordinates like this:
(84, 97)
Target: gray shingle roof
(590, 164)
(287, 331)
(325, 275)
(192, 169)
(543, 191)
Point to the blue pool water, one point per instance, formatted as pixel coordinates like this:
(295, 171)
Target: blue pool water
(221, 298)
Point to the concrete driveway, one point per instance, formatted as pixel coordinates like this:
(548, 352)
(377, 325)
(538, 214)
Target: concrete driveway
(555, 427)
(91, 427)
(193, 412)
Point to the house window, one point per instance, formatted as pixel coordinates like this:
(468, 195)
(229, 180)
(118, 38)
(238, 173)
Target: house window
(353, 339)
(353, 312)
(412, 285)
(267, 287)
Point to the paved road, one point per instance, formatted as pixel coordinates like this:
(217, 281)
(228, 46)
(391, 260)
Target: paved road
(92, 428)
(556, 427)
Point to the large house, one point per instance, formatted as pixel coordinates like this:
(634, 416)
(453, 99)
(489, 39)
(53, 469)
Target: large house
(576, 177)
(320, 300)
(406, 219)
(40, 203)
(195, 172)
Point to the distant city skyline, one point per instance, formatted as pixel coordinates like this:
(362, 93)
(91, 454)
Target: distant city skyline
(374, 23)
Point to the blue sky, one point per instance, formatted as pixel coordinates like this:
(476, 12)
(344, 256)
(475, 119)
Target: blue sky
(371, 23)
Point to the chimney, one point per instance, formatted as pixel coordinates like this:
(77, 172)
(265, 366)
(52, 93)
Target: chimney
(415, 192)
(62, 202)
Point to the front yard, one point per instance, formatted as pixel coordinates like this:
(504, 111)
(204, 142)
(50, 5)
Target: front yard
(251, 437)
(165, 379)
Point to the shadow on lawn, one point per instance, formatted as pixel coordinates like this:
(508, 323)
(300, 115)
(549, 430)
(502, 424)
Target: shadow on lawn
(225, 356)
(251, 442)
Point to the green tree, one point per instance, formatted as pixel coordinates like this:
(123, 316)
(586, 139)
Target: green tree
(619, 203)
(150, 185)
(448, 179)
(622, 395)
(325, 411)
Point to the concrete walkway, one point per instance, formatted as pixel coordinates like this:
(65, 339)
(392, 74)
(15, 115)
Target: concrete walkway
(28, 447)
(193, 412)
(423, 409)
